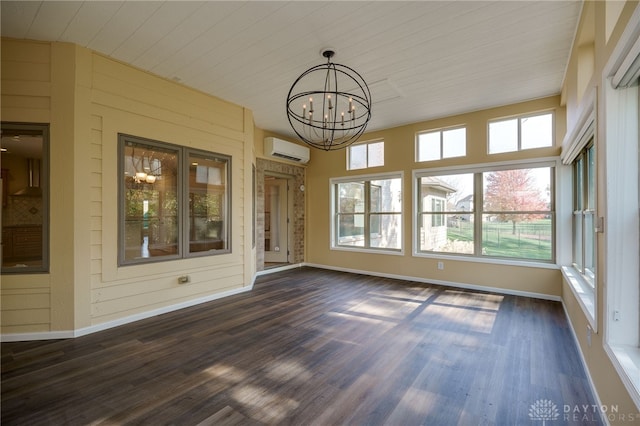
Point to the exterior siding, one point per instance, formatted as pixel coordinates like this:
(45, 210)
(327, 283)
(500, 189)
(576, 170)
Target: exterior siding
(25, 300)
(88, 99)
(127, 100)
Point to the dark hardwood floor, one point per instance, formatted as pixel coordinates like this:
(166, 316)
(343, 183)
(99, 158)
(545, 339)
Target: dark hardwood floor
(309, 346)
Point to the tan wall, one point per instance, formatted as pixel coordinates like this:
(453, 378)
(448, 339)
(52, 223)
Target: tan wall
(601, 26)
(93, 98)
(399, 156)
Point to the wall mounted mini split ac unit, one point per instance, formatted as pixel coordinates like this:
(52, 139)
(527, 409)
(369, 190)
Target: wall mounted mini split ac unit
(277, 148)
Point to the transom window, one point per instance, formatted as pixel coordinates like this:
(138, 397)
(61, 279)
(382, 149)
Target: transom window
(364, 155)
(520, 133)
(439, 144)
(367, 212)
(501, 212)
(174, 201)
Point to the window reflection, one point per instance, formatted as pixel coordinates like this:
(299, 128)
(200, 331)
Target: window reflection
(150, 201)
(207, 203)
(24, 198)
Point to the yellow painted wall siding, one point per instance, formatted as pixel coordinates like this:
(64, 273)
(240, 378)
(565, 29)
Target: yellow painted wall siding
(88, 99)
(25, 308)
(26, 81)
(399, 157)
(26, 97)
(123, 300)
(96, 197)
(597, 27)
(143, 93)
(126, 100)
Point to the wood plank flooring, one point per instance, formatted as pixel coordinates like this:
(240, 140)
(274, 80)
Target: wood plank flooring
(308, 347)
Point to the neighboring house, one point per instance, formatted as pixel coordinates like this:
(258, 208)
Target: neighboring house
(465, 205)
(433, 227)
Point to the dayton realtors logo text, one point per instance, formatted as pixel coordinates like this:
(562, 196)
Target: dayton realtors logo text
(545, 410)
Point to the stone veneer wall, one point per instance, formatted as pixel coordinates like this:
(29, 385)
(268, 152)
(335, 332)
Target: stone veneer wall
(296, 173)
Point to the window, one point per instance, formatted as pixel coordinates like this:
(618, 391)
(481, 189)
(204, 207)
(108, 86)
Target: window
(437, 205)
(622, 231)
(364, 155)
(25, 198)
(174, 201)
(367, 213)
(445, 213)
(584, 235)
(519, 133)
(439, 144)
(500, 213)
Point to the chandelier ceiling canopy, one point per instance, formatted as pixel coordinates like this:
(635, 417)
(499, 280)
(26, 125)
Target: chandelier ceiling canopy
(329, 105)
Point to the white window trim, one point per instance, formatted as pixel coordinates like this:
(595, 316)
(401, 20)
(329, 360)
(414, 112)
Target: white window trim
(621, 259)
(574, 142)
(332, 206)
(480, 168)
(583, 292)
(624, 357)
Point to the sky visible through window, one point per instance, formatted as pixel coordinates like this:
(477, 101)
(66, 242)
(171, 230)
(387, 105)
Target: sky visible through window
(535, 132)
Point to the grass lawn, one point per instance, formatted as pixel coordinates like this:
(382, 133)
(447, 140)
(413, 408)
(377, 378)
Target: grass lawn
(532, 240)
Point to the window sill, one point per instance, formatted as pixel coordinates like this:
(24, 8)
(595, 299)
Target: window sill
(491, 260)
(584, 293)
(626, 360)
(369, 250)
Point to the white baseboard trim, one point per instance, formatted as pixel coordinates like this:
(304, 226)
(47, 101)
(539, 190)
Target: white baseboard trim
(279, 269)
(584, 364)
(44, 335)
(440, 282)
(53, 335)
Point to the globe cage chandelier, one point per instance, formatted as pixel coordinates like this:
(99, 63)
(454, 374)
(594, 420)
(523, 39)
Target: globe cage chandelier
(329, 105)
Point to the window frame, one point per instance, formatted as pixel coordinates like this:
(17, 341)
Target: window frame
(334, 215)
(367, 144)
(478, 210)
(45, 175)
(584, 204)
(183, 154)
(441, 132)
(519, 119)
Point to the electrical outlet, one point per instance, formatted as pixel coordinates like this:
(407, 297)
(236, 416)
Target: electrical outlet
(589, 336)
(441, 265)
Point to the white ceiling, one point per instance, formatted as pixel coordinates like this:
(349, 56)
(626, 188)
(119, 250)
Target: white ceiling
(422, 59)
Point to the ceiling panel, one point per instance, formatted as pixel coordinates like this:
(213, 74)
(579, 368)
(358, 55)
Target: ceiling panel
(88, 21)
(122, 25)
(52, 20)
(166, 18)
(423, 60)
(17, 17)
